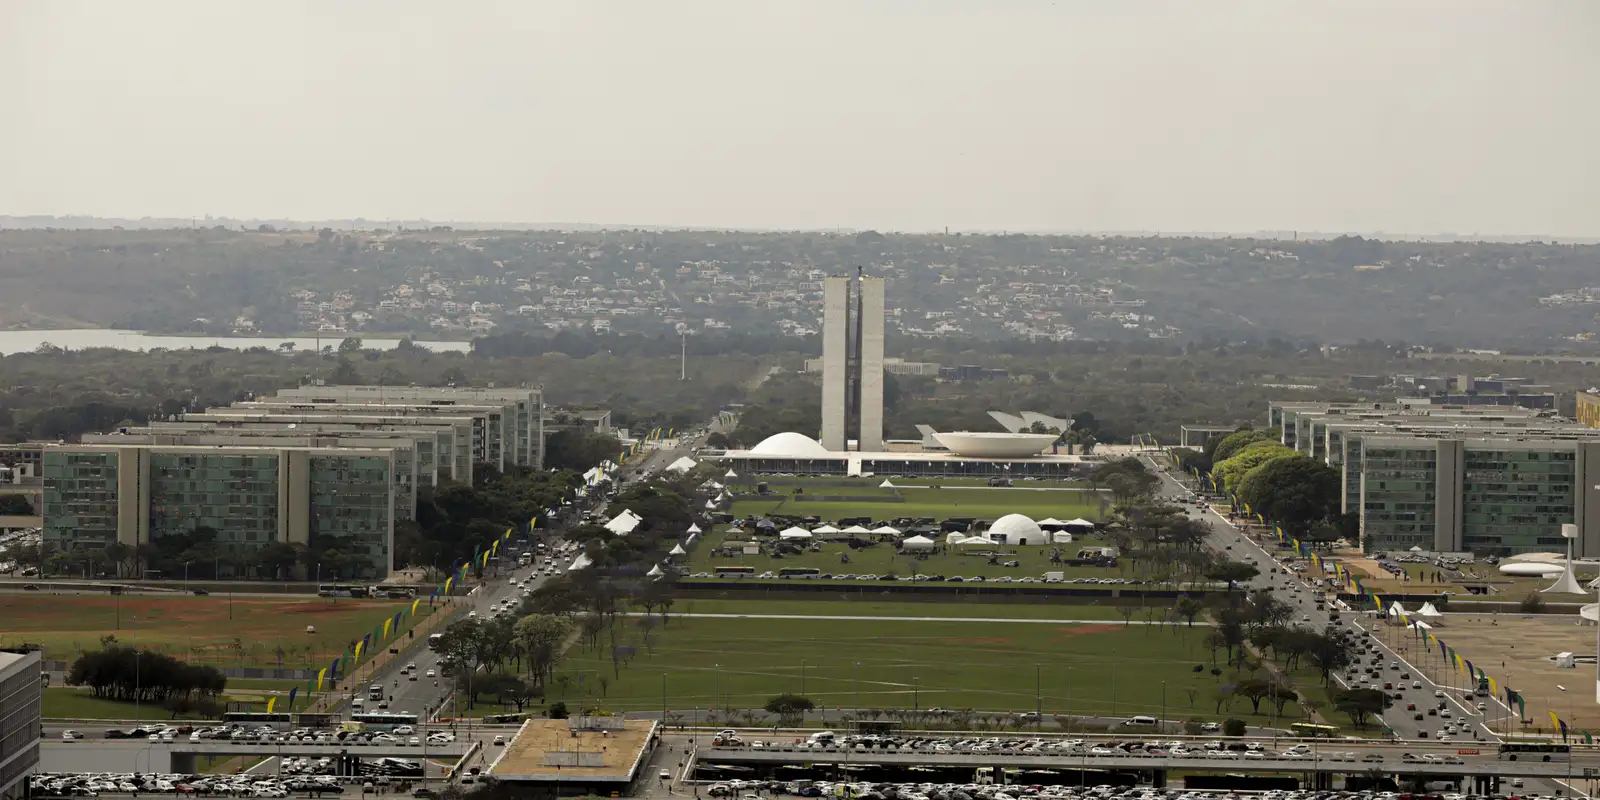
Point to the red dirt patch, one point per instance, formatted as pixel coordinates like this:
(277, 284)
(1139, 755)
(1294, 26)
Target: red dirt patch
(312, 608)
(1081, 630)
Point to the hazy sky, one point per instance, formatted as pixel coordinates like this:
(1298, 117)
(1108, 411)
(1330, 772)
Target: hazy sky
(1390, 115)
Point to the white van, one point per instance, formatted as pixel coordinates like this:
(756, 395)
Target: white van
(1141, 720)
(821, 737)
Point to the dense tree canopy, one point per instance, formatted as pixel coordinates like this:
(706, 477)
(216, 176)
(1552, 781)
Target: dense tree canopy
(1220, 450)
(1294, 491)
(1232, 470)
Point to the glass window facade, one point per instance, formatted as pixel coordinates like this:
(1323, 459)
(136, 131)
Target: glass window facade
(350, 499)
(235, 494)
(80, 499)
(1516, 500)
(1398, 497)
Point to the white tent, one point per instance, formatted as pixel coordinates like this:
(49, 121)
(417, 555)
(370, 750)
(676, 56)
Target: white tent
(855, 529)
(794, 533)
(730, 474)
(975, 541)
(1060, 537)
(917, 543)
(624, 523)
(655, 572)
(693, 528)
(722, 497)
(1395, 609)
(1051, 522)
(583, 560)
(1080, 522)
(954, 537)
(825, 529)
(1428, 611)
(886, 484)
(710, 504)
(683, 464)
(677, 550)
(887, 529)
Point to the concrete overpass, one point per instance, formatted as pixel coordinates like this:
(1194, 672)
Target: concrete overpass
(1481, 766)
(184, 753)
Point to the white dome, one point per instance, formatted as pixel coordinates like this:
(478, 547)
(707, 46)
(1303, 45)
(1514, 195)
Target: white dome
(790, 445)
(1017, 529)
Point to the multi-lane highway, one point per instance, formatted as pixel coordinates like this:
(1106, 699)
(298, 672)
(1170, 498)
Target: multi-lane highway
(1472, 729)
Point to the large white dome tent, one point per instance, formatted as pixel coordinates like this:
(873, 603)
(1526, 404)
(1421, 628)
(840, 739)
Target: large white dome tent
(1017, 529)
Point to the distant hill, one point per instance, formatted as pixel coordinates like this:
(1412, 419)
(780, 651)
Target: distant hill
(274, 277)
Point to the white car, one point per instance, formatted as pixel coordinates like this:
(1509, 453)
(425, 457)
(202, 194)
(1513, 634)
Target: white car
(499, 740)
(68, 736)
(430, 673)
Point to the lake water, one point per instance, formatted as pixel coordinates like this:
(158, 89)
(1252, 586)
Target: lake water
(28, 341)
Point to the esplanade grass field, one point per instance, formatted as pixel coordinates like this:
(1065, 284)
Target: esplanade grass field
(245, 631)
(1078, 667)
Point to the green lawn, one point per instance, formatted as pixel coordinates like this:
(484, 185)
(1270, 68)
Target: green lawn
(1050, 484)
(236, 684)
(63, 702)
(885, 558)
(918, 501)
(258, 631)
(835, 608)
(828, 485)
(740, 663)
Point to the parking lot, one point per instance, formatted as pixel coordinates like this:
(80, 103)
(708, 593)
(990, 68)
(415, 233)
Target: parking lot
(308, 776)
(747, 790)
(404, 735)
(1326, 751)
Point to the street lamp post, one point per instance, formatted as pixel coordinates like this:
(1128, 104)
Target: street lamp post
(858, 688)
(1038, 698)
(916, 692)
(1069, 700)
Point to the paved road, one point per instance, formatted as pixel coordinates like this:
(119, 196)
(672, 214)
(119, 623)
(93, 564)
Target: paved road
(921, 619)
(1302, 598)
(422, 695)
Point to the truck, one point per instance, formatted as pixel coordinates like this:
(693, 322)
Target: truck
(1055, 576)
